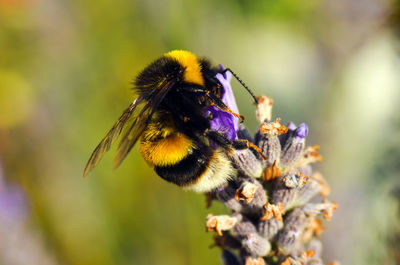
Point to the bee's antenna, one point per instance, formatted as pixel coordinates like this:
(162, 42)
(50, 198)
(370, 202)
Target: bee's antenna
(242, 83)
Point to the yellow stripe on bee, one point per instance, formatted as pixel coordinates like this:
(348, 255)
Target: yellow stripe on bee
(192, 73)
(158, 130)
(167, 151)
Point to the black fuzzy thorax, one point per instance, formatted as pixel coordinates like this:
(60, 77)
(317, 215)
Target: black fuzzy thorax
(154, 74)
(186, 108)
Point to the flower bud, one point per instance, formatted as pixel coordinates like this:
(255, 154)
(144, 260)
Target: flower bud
(269, 228)
(308, 191)
(267, 139)
(294, 146)
(248, 163)
(255, 207)
(270, 147)
(226, 194)
(256, 245)
(243, 227)
(283, 137)
(295, 222)
(283, 194)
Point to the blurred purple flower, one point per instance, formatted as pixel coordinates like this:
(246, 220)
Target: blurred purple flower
(223, 121)
(12, 202)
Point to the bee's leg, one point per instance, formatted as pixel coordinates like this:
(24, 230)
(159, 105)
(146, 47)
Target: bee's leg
(221, 105)
(214, 100)
(218, 138)
(241, 144)
(193, 89)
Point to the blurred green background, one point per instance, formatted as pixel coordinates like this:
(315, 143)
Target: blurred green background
(65, 73)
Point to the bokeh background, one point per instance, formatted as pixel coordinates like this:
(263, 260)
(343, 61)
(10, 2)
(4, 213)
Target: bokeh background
(65, 76)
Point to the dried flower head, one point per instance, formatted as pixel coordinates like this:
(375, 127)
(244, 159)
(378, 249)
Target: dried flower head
(246, 192)
(273, 211)
(295, 180)
(264, 109)
(273, 128)
(219, 223)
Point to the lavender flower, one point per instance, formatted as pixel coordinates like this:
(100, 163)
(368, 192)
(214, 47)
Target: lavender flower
(223, 121)
(19, 245)
(272, 220)
(12, 203)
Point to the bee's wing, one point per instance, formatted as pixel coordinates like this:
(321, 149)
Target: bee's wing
(112, 135)
(142, 120)
(138, 115)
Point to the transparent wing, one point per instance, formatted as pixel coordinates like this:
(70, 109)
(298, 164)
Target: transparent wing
(112, 135)
(141, 121)
(134, 121)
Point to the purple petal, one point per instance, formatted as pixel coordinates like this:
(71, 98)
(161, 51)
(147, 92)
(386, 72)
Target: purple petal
(222, 121)
(13, 206)
(301, 131)
(291, 126)
(228, 98)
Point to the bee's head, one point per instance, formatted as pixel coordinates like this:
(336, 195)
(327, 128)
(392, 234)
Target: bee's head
(190, 64)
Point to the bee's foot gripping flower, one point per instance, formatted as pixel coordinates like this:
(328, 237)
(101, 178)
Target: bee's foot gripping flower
(272, 220)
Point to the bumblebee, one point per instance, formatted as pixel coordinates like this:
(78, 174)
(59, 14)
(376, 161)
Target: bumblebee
(168, 119)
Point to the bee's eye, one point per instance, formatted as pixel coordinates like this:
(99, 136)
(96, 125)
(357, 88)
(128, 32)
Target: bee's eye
(210, 116)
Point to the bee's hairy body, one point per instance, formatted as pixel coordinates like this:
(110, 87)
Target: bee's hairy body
(173, 145)
(185, 161)
(172, 126)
